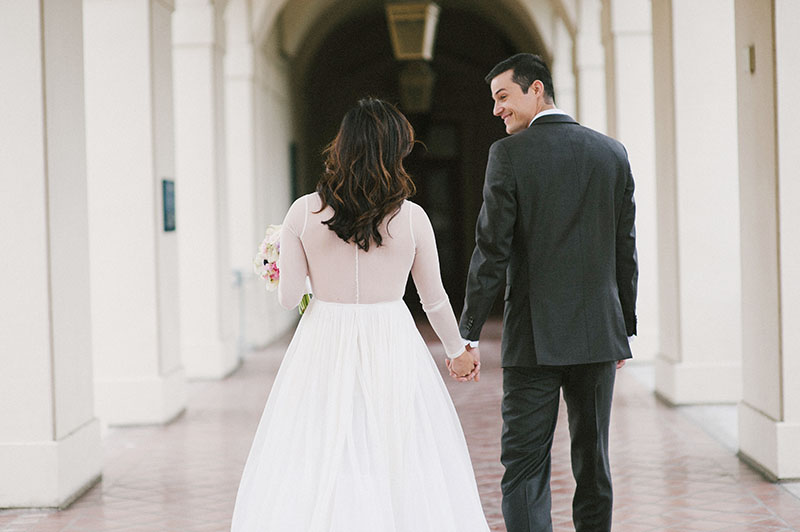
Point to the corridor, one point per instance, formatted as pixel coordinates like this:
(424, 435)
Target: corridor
(670, 475)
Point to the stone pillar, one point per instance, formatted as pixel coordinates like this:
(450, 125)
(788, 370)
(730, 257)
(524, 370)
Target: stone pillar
(240, 136)
(275, 116)
(591, 67)
(768, 81)
(627, 38)
(139, 377)
(699, 359)
(49, 438)
(207, 296)
(564, 68)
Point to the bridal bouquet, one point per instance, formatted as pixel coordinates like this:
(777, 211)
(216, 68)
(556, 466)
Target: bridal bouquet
(266, 262)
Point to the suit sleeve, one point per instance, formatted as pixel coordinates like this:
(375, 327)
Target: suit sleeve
(494, 233)
(627, 266)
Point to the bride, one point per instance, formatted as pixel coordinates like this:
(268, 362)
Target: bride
(359, 433)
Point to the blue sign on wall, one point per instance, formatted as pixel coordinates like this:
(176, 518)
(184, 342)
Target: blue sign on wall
(168, 193)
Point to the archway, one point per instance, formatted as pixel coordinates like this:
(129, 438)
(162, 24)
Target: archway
(354, 58)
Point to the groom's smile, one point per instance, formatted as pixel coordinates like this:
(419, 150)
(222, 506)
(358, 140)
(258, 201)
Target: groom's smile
(514, 107)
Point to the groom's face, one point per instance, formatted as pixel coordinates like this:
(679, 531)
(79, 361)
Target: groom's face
(514, 107)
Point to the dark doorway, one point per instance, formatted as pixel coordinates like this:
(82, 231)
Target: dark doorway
(356, 60)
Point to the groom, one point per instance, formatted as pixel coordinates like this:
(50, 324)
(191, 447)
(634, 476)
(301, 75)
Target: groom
(557, 223)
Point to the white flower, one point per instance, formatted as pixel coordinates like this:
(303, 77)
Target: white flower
(272, 254)
(271, 244)
(259, 264)
(273, 234)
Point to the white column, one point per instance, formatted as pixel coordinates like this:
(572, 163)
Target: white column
(591, 66)
(273, 166)
(207, 296)
(240, 116)
(699, 359)
(258, 194)
(563, 68)
(627, 38)
(768, 81)
(139, 377)
(49, 438)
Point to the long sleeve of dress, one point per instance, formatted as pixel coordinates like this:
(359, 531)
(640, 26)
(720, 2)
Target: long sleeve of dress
(292, 262)
(428, 280)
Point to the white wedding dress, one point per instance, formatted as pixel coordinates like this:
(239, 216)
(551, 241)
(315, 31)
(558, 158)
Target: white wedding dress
(359, 433)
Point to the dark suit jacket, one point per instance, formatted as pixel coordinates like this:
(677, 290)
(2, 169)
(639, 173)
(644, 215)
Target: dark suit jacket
(558, 220)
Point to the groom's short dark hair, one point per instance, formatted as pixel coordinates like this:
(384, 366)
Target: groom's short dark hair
(527, 69)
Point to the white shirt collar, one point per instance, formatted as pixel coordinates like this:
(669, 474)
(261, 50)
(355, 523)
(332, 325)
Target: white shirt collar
(553, 111)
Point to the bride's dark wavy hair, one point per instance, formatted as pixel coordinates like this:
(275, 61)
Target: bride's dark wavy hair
(364, 179)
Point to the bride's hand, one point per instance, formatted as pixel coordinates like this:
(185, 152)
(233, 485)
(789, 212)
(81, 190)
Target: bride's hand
(462, 366)
(476, 372)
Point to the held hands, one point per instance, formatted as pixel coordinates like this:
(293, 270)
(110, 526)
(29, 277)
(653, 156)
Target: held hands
(467, 366)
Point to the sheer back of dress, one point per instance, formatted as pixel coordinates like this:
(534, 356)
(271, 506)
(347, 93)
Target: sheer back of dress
(340, 272)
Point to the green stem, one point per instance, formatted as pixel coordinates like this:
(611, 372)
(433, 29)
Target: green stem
(304, 301)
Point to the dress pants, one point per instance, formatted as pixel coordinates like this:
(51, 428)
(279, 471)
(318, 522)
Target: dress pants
(530, 411)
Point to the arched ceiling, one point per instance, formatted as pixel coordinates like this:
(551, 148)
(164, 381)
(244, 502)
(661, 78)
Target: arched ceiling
(301, 25)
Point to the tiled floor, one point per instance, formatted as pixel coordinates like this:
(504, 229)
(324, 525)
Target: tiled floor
(669, 474)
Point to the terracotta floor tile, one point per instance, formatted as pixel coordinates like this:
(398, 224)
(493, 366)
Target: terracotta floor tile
(669, 475)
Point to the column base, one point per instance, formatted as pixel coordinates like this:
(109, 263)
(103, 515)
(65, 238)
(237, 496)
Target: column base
(209, 360)
(769, 446)
(142, 401)
(645, 344)
(266, 322)
(50, 474)
(679, 383)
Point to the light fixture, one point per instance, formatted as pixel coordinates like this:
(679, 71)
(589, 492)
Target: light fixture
(412, 28)
(416, 87)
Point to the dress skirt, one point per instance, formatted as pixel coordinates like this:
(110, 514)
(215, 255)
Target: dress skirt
(359, 433)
